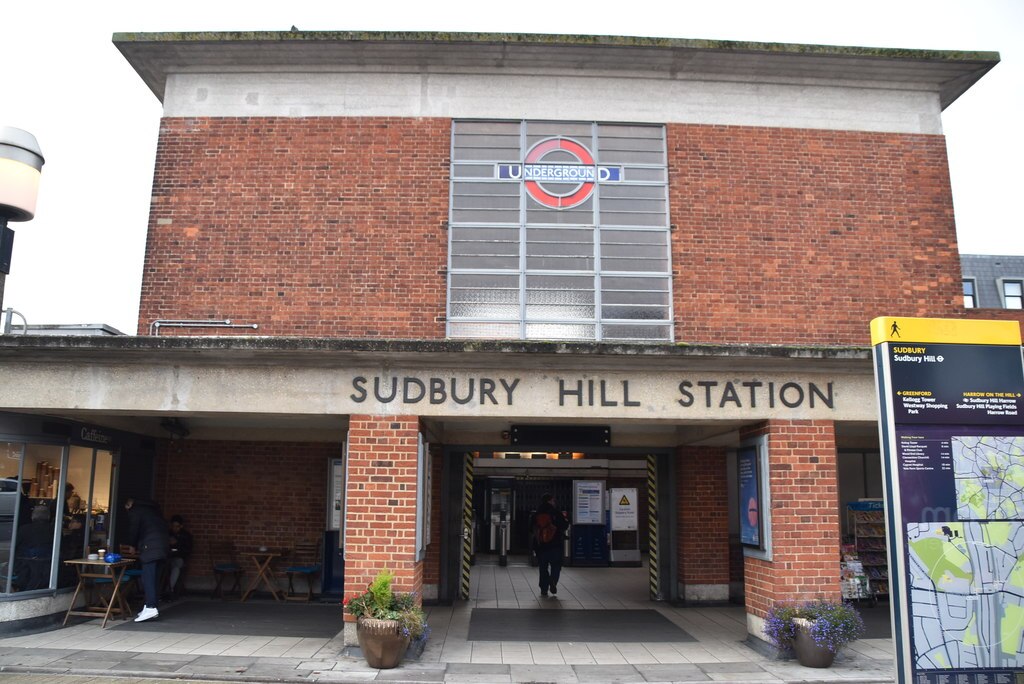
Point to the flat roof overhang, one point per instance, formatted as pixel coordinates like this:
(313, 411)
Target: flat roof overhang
(280, 388)
(477, 354)
(154, 56)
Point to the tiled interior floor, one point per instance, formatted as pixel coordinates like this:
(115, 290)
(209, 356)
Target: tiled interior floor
(720, 631)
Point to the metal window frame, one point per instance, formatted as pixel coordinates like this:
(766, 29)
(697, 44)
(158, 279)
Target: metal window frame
(974, 293)
(597, 273)
(1002, 283)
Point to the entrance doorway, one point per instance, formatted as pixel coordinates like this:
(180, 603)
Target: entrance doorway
(489, 496)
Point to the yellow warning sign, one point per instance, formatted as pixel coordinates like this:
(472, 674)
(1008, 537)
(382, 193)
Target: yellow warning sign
(623, 501)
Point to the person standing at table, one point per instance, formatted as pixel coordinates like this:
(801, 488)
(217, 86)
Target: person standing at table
(149, 537)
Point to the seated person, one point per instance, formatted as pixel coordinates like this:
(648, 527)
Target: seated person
(33, 551)
(181, 549)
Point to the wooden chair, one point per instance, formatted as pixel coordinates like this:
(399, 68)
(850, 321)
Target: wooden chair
(224, 565)
(305, 559)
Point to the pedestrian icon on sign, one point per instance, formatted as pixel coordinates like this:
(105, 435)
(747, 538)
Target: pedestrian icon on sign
(895, 330)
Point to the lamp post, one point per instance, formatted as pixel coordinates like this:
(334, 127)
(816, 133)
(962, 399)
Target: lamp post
(21, 164)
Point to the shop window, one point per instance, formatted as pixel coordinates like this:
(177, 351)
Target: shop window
(970, 294)
(1013, 294)
(559, 231)
(45, 516)
(86, 502)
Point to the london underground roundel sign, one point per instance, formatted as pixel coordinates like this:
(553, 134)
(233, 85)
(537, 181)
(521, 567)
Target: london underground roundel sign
(557, 184)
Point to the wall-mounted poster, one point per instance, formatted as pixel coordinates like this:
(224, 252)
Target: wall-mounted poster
(623, 504)
(588, 502)
(337, 493)
(749, 477)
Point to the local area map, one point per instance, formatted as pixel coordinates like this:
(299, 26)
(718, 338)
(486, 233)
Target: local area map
(967, 577)
(989, 475)
(967, 594)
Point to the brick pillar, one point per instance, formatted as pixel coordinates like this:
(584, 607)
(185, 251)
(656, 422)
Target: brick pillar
(804, 519)
(703, 524)
(380, 524)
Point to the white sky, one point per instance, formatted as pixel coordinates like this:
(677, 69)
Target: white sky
(80, 260)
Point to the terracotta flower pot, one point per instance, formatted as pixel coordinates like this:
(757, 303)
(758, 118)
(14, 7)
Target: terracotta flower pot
(381, 642)
(809, 653)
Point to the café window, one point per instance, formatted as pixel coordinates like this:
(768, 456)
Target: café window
(54, 505)
(1013, 294)
(559, 231)
(970, 294)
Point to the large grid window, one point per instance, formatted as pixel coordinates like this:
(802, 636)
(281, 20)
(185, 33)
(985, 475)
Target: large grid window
(560, 254)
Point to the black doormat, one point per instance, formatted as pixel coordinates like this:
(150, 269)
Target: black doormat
(511, 624)
(252, 618)
(877, 621)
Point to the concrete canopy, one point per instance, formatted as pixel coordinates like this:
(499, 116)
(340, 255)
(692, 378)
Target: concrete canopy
(155, 56)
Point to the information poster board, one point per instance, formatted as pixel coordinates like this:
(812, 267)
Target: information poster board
(748, 475)
(951, 399)
(623, 505)
(337, 493)
(588, 502)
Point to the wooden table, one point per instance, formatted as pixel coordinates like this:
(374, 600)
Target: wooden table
(89, 572)
(264, 572)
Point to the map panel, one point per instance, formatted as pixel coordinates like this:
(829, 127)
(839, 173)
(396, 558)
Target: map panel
(967, 594)
(989, 474)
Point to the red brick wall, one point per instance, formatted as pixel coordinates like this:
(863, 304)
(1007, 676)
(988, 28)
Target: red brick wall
(251, 493)
(793, 236)
(703, 516)
(381, 504)
(323, 227)
(336, 227)
(805, 517)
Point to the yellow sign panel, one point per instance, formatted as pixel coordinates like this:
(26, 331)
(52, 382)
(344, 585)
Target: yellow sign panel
(623, 501)
(944, 330)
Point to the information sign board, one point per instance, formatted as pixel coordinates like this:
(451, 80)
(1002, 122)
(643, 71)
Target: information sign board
(951, 399)
(588, 502)
(623, 506)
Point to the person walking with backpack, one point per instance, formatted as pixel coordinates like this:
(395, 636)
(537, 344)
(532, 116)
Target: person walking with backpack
(548, 530)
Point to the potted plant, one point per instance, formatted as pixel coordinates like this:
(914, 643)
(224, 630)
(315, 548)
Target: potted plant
(387, 622)
(813, 630)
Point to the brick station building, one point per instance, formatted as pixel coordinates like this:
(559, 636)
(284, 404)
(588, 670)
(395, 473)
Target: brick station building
(395, 282)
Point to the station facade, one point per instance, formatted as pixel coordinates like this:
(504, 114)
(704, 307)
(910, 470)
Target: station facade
(397, 286)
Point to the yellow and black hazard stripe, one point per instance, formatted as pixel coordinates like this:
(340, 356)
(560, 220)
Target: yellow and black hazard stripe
(467, 525)
(652, 526)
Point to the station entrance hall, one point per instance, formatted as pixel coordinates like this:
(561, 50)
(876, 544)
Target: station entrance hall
(399, 286)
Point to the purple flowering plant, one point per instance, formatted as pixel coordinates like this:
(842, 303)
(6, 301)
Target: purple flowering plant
(831, 624)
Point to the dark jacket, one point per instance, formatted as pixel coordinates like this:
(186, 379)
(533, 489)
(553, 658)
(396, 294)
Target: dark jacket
(560, 523)
(183, 544)
(148, 531)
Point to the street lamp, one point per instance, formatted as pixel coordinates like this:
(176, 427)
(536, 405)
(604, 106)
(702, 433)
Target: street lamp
(21, 163)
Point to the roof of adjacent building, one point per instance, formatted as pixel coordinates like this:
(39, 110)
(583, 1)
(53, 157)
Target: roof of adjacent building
(948, 72)
(988, 270)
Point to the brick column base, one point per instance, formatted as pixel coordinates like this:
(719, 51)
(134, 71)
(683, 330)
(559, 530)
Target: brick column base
(380, 506)
(805, 529)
